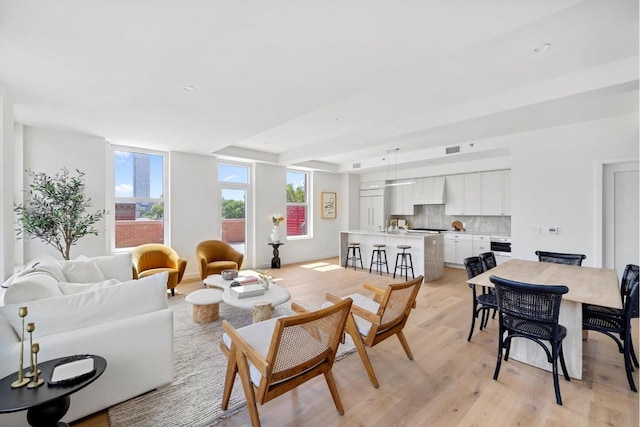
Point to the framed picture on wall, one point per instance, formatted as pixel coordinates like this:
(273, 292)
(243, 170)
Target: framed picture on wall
(329, 205)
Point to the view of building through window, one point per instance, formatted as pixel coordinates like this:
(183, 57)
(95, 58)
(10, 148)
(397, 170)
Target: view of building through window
(139, 198)
(297, 203)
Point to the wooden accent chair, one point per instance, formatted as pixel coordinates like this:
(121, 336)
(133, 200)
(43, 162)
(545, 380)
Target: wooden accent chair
(153, 258)
(374, 320)
(277, 355)
(215, 255)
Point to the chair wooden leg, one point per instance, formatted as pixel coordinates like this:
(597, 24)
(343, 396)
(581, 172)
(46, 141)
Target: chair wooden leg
(352, 330)
(405, 344)
(334, 391)
(554, 365)
(473, 319)
(230, 377)
(249, 394)
(500, 346)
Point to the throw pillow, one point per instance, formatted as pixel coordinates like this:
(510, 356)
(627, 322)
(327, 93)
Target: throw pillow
(32, 286)
(74, 288)
(84, 309)
(82, 270)
(115, 266)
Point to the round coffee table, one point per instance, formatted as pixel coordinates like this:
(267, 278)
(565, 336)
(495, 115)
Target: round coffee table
(274, 295)
(46, 404)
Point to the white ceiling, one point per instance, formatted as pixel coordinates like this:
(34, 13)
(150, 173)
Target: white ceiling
(319, 83)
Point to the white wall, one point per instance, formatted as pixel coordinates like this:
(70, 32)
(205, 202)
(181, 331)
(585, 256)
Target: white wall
(6, 183)
(49, 151)
(555, 180)
(194, 214)
(269, 197)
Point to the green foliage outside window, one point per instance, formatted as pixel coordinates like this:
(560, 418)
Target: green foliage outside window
(232, 208)
(296, 195)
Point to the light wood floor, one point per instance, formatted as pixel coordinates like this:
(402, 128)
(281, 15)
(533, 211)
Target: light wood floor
(450, 381)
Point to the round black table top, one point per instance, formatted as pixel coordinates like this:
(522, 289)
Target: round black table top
(18, 399)
(275, 244)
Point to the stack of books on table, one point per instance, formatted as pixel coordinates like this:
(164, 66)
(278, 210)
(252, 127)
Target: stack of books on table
(245, 280)
(246, 291)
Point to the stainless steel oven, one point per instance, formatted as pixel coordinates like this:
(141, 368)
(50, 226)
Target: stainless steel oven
(501, 248)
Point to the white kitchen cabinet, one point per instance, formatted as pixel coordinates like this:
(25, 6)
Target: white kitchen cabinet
(506, 192)
(372, 210)
(492, 193)
(401, 199)
(496, 193)
(457, 247)
(463, 194)
(486, 193)
(481, 244)
(454, 196)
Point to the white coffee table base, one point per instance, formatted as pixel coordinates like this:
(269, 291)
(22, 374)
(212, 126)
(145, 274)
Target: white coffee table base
(206, 304)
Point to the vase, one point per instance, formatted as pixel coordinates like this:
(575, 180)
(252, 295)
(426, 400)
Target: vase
(275, 234)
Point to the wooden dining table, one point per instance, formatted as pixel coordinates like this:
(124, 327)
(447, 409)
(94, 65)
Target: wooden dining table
(587, 285)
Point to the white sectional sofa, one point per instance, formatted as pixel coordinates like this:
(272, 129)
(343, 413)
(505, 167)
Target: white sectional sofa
(91, 306)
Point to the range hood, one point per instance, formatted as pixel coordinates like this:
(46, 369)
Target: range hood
(429, 191)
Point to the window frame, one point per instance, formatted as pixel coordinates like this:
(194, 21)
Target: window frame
(165, 199)
(309, 204)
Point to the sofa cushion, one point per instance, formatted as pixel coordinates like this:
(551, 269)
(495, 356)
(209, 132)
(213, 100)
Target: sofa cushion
(32, 286)
(105, 304)
(45, 264)
(115, 266)
(74, 288)
(82, 270)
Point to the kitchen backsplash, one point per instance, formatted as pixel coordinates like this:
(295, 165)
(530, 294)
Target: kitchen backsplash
(433, 216)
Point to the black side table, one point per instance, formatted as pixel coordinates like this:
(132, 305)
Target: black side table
(45, 405)
(275, 261)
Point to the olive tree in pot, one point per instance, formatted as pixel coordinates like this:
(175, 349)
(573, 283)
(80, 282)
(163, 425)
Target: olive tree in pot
(55, 210)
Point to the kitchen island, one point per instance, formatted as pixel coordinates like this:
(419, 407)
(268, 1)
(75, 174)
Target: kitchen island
(427, 250)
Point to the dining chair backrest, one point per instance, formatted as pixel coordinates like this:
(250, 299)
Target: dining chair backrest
(473, 265)
(631, 272)
(631, 305)
(488, 260)
(537, 303)
(560, 258)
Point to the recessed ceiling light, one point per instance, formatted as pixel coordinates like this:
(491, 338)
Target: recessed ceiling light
(189, 88)
(542, 47)
(339, 117)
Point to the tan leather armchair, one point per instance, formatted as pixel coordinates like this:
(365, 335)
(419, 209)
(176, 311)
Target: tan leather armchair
(215, 255)
(155, 258)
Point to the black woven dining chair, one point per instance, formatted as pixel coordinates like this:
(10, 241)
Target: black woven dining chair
(618, 322)
(631, 273)
(531, 312)
(560, 258)
(488, 260)
(481, 303)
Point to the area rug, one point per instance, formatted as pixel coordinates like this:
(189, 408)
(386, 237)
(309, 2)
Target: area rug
(193, 398)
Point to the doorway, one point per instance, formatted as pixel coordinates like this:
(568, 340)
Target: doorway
(235, 195)
(621, 215)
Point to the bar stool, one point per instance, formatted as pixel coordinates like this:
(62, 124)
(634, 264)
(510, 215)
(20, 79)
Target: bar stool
(401, 262)
(353, 256)
(377, 253)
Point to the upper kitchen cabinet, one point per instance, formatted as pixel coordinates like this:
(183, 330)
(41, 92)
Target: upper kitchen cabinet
(401, 199)
(486, 193)
(463, 194)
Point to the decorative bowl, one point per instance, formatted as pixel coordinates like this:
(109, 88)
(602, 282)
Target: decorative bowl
(229, 274)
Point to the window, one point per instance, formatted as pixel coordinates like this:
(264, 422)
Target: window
(234, 183)
(139, 197)
(297, 203)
